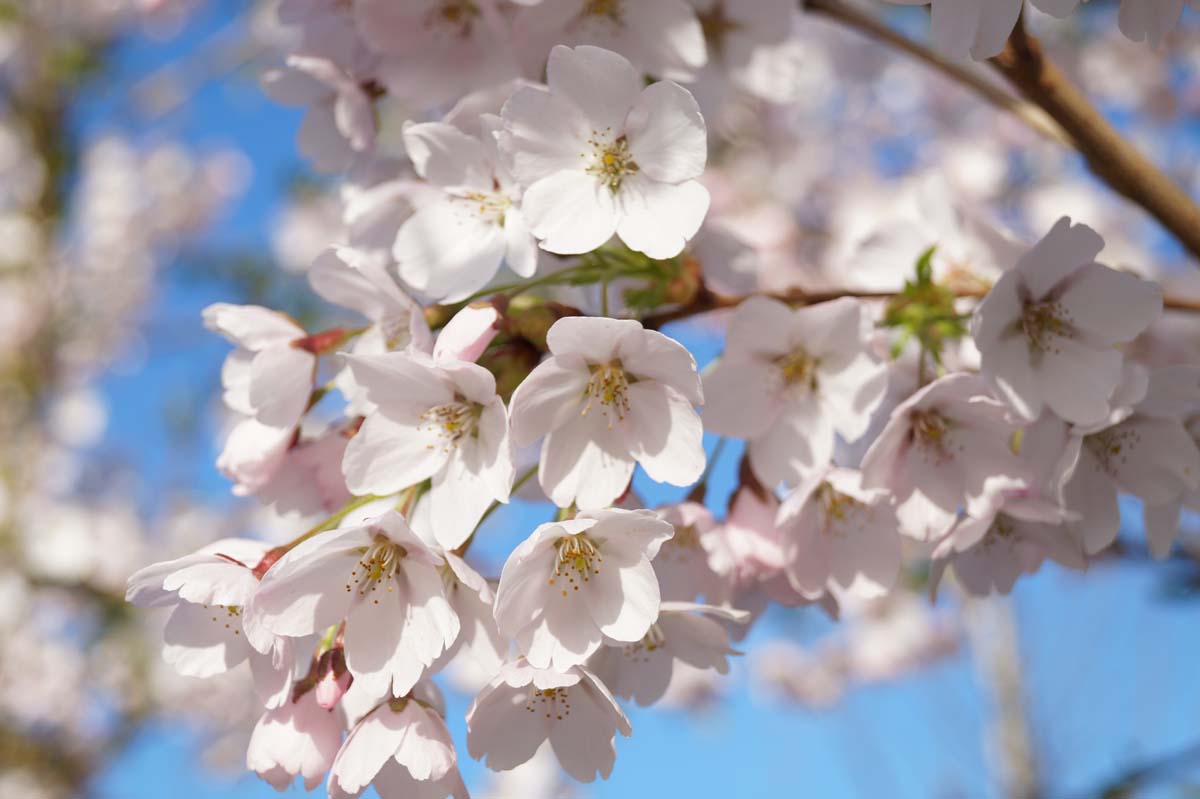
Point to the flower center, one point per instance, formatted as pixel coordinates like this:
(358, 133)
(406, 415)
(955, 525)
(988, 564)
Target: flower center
(641, 651)
(1003, 530)
(612, 161)
(931, 432)
(798, 368)
(578, 559)
(609, 386)
(838, 510)
(1044, 322)
(227, 615)
(395, 331)
(452, 422)
(555, 703)
(490, 206)
(453, 17)
(612, 9)
(376, 566)
(1112, 447)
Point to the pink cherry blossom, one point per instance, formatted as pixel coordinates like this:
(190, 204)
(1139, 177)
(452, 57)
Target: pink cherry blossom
(789, 381)
(612, 394)
(1047, 329)
(598, 154)
(573, 583)
(525, 706)
(297, 739)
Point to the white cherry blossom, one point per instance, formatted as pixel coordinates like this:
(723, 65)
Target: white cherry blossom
(612, 394)
(978, 28)
(574, 583)
(433, 419)
(379, 578)
(685, 632)
(1047, 329)
(599, 154)
(524, 706)
(454, 245)
(789, 381)
(297, 739)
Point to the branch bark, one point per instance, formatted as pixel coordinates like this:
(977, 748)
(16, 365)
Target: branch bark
(1106, 151)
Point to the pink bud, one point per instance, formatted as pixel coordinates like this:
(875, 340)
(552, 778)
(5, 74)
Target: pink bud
(333, 678)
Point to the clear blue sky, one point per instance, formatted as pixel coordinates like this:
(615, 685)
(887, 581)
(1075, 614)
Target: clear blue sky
(1111, 663)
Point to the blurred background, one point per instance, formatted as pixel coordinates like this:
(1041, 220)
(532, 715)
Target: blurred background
(144, 174)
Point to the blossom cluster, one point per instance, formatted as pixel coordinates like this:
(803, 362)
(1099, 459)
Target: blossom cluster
(981, 419)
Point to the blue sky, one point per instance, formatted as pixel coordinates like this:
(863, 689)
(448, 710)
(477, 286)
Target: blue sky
(1111, 662)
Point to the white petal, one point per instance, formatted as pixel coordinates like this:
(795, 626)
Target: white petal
(571, 212)
(667, 136)
(585, 462)
(387, 455)
(665, 434)
(447, 157)
(448, 250)
(603, 84)
(658, 219)
(551, 395)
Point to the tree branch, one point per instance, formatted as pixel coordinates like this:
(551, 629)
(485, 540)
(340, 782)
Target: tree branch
(864, 23)
(1107, 153)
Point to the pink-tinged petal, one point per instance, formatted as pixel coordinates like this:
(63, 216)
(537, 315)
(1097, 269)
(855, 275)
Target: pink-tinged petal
(1077, 380)
(1111, 306)
(655, 218)
(321, 141)
(458, 499)
(654, 356)
(1092, 493)
(851, 395)
(669, 35)
(624, 601)
(996, 21)
(585, 462)
(596, 339)
(831, 331)
(583, 741)
(296, 739)
(386, 456)
(1153, 458)
(251, 326)
(214, 581)
(273, 683)
(759, 327)
(336, 276)
(630, 535)
(1149, 20)
(740, 398)
(467, 334)
(995, 314)
(954, 26)
(397, 381)
(1171, 391)
(305, 590)
(494, 453)
(499, 728)
(800, 441)
(543, 135)
(1162, 526)
(395, 780)
(520, 249)
(253, 453)
(200, 641)
(523, 588)
(449, 249)
(664, 434)
(667, 135)
(563, 637)
(280, 384)
(549, 397)
(806, 552)
(1063, 250)
(1007, 367)
(572, 212)
(603, 84)
(447, 157)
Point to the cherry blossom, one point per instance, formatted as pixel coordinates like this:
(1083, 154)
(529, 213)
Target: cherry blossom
(402, 747)
(790, 380)
(661, 37)
(454, 245)
(1047, 329)
(605, 400)
(684, 633)
(946, 447)
(379, 578)
(525, 706)
(297, 739)
(838, 535)
(439, 420)
(597, 154)
(978, 28)
(573, 583)
(682, 566)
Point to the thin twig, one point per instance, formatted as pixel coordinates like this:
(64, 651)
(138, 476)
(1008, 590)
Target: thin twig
(1109, 155)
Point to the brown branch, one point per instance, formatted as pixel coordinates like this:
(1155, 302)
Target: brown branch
(1107, 153)
(864, 23)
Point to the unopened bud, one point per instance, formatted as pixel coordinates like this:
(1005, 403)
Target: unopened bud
(333, 678)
